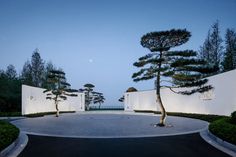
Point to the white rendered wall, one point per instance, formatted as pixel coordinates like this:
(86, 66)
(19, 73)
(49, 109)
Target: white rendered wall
(34, 101)
(220, 101)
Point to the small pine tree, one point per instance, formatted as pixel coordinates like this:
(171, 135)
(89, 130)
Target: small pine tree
(98, 98)
(88, 88)
(58, 89)
(180, 69)
(130, 89)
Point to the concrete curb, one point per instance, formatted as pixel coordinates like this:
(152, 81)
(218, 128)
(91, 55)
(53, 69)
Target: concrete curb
(9, 119)
(16, 147)
(117, 136)
(222, 142)
(218, 143)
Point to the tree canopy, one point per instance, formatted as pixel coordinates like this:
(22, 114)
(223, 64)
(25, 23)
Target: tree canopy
(172, 69)
(92, 96)
(58, 89)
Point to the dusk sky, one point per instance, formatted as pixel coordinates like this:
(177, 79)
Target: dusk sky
(98, 41)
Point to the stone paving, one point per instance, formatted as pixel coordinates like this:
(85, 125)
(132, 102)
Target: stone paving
(108, 125)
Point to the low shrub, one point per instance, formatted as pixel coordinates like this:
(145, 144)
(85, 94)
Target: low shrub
(233, 117)
(205, 117)
(41, 114)
(10, 114)
(8, 133)
(224, 129)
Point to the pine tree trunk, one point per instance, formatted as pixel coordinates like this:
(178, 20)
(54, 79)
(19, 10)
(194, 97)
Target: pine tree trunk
(158, 94)
(57, 114)
(87, 106)
(163, 111)
(88, 101)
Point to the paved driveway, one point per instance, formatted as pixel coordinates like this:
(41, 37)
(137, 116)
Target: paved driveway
(191, 145)
(113, 134)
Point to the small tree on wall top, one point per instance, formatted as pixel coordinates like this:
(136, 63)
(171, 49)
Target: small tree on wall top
(58, 89)
(130, 89)
(171, 69)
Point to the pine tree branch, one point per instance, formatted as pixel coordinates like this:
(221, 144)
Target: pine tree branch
(171, 88)
(194, 83)
(186, 53)
(197, 90)
(166, 81)
(183, 62)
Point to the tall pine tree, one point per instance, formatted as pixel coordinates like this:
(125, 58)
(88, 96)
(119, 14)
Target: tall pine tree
(181, 69)
(206, 49)
(10, 90)
(11, 72)
(48, 67)
(212, 49)
(26, 74)
(229, 62)
(37, 69)
(216, 43)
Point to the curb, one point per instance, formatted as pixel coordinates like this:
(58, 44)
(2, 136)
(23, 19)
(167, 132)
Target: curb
(9, 119)
(222, 142)
(16, 147)
(116, 136)
(218, 143)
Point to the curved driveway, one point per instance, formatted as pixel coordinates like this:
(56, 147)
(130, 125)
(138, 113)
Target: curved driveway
(114, 134)
(95, 125)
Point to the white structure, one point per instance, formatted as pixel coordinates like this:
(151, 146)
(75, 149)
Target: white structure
(34, 101)
(221, 100)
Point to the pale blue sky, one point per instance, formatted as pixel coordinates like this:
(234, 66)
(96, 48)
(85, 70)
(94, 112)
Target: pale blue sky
(72, 33)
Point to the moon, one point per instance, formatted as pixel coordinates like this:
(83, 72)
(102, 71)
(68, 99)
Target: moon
(90, 60)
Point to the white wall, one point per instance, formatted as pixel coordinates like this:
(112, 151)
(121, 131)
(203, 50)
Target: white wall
(34, 101)
(220, 101)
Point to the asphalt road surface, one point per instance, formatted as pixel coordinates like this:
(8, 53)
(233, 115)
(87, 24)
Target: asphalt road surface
(189, 145)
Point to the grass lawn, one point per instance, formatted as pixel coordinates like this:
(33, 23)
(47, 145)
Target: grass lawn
(8, 133)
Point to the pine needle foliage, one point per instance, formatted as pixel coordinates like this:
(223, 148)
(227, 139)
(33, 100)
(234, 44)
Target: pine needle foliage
(172, 69)
(98, 98)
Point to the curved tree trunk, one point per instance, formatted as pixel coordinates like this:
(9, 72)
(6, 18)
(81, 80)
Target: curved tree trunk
(87, 106)
(163, 111)
(158, 87)
(57, 114)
